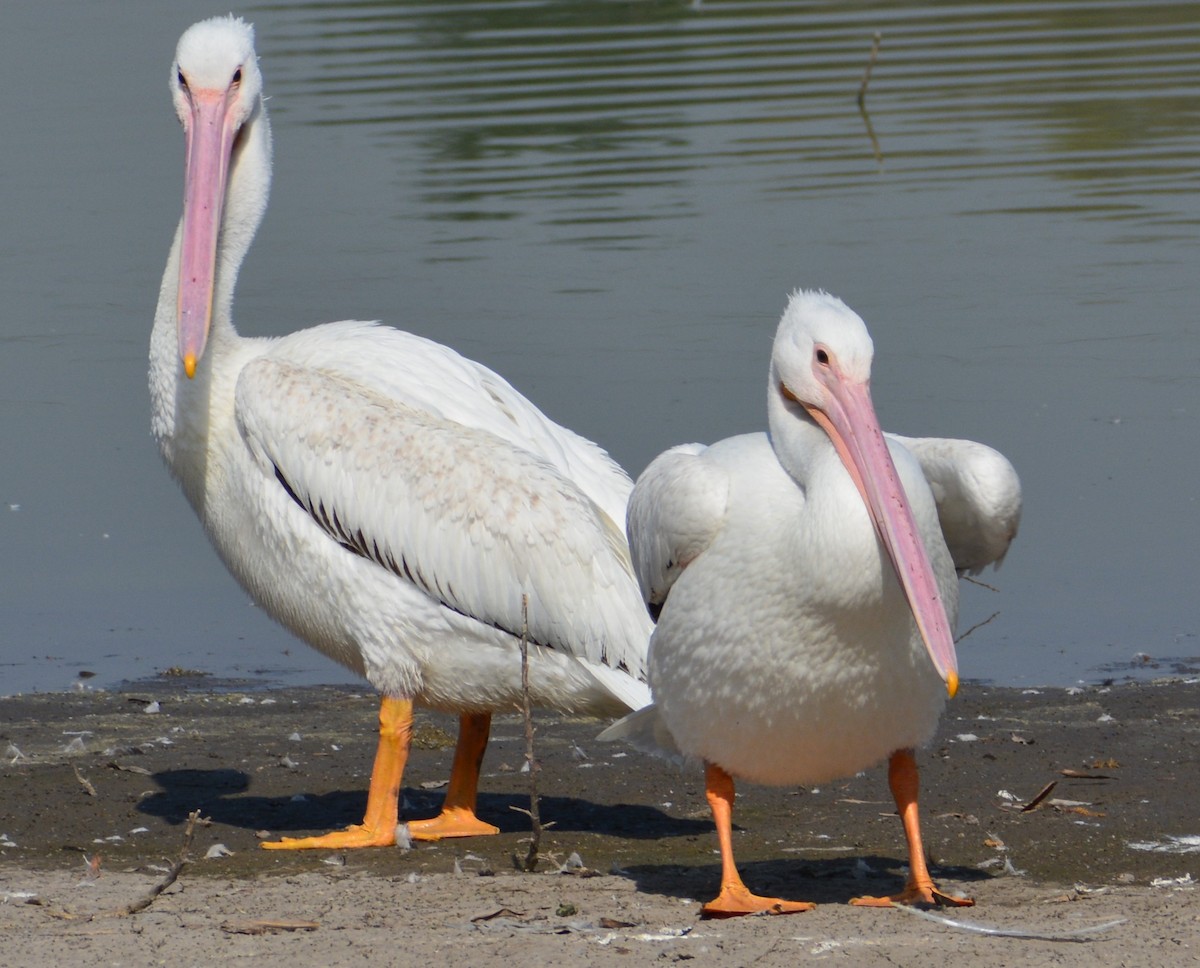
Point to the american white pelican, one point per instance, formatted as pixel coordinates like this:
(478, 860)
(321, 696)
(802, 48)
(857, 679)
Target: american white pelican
(383, 498)
(804, 591)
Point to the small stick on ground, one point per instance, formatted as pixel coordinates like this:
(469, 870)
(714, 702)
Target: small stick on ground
(1042, 794)
(531, 858)
(862, 88)
(84, 782)
(169, 878)
(161, 885)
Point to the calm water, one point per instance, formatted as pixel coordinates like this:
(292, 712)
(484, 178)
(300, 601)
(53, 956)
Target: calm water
(608, 202)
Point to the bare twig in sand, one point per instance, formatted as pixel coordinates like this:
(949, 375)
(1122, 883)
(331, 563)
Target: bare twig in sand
(501, 913)
(1042, 794)
(161, 885)
(862, 88)
(268, 926)
(168, 878)
(531, 858)
(84, 782)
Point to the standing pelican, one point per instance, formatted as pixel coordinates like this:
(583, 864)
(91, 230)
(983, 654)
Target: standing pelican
(805, 594)
(391, 503)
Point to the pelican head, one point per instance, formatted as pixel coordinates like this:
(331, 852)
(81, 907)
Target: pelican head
(821, 369)
(217, 88)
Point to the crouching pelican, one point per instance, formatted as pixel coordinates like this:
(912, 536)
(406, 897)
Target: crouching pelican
(804, 591)
(389, 502)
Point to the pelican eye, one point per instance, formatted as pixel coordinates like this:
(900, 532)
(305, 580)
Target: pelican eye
(237, 76)
(182, 80)
(822, 356)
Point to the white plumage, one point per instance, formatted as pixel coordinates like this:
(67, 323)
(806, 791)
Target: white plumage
(804, 587)
(387, 500)
(790, 629)
(978, 497)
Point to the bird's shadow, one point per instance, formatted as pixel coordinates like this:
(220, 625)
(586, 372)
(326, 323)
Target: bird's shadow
(222, 795)
(821, 881)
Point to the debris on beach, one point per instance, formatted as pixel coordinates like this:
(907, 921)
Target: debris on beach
(1187, 844)
(1039, 797)
(1079, 934)
(1081, 775)
(268, 926)
(1184, 883)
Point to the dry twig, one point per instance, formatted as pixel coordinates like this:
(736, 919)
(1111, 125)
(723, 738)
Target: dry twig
(161, 885)
(84, 782)
(982, 584)
(862, 99)
(168, 878)
(977, 625)
(531, 857)
(862, 88)
(268, 926)
(1042, 794)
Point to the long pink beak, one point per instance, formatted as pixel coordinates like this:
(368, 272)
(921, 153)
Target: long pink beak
(209, 137)
(850, 421)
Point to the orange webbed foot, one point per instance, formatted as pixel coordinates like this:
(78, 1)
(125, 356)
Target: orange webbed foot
(451, 822)
(916, 895)
(735, 901)
(354, 836)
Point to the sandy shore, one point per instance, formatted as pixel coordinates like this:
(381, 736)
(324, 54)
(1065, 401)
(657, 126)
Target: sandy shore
(96, 792)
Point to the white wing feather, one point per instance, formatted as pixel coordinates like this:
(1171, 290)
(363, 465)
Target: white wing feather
(978, 497)
(677, 507)
(462, 513)
(434, 379)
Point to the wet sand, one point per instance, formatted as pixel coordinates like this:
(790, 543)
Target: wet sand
(96, 792)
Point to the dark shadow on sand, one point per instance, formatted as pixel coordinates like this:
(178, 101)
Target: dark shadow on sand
(822, 881)
(222, 796)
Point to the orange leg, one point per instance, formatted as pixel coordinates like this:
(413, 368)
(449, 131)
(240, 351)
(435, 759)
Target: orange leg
(734, 898)
(378, 828)
(905, 784)
(457, 818)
